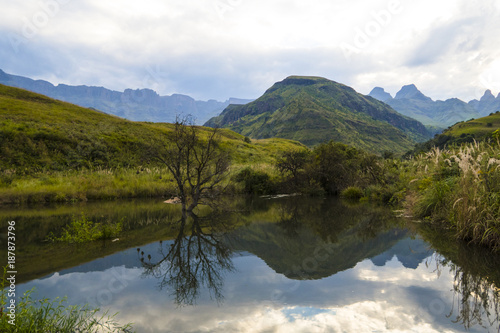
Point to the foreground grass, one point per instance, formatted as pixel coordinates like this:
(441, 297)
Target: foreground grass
(44, 315)
(460, 189)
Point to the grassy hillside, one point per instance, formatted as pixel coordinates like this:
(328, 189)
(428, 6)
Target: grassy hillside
(480, 128)
(52, 150)
(463, 132)
(314, 110)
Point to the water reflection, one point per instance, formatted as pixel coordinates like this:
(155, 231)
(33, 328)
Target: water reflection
(476, 277)
(476, 299)
(310, 239)
(197, 257)
(292, 264)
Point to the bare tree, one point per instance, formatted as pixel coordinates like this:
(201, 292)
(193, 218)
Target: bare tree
(195, 160)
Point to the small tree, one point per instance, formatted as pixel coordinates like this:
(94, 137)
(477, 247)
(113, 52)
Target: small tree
(293, 163)
(197, 163)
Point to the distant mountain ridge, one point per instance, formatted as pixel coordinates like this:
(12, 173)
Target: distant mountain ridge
(313, 110)
(487, 104)
(137, 105)
(411, 102)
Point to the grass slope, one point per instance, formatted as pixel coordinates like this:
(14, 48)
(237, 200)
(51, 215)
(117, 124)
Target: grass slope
(480, 128)
(314, 110)
(52, 150)
(463, 132)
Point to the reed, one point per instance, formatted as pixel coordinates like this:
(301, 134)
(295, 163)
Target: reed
(460, 187)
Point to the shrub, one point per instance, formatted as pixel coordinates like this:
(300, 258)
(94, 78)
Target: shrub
(434, 199)
(380, 193)
(352, 193)
(255, 182)
(312, 188)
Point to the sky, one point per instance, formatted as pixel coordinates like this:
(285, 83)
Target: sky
(216, 49)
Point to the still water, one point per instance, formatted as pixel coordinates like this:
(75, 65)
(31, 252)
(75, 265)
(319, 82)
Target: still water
(264, 265)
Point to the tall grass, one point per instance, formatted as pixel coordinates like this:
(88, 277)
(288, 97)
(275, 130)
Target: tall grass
(87, 184)
(460, 187)
(45, 315)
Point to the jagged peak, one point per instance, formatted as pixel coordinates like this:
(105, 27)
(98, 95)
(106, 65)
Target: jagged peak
(380, 94)
(488, 96)
(411, 92)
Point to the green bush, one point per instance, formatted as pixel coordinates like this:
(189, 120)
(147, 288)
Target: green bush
(352, 193)
(312, 188)
(255, 182)
(380, 193)
(435, 199)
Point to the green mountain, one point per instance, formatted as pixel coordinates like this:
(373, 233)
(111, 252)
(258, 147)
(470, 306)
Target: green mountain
(38, 133)
(313, 110)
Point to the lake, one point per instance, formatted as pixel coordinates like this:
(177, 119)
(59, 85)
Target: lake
(289, 264)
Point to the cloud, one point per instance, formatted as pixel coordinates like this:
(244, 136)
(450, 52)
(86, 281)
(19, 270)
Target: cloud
(439, 43)
(238, 48)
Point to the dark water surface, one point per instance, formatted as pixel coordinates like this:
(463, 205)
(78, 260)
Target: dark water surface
(264, 265)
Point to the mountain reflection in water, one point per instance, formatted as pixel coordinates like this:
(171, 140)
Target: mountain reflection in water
(290, 264)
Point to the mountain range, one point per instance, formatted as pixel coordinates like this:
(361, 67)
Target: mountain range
(314, 109)
(413, 103)
(137, 105)
(312, 114)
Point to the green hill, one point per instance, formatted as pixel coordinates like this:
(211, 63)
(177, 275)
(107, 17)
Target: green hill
(479, 128)
(55, 151)
(463, 132)
(313, 110)
(38, 133)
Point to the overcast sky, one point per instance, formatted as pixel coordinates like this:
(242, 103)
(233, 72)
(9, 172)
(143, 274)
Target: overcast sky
(239, 48)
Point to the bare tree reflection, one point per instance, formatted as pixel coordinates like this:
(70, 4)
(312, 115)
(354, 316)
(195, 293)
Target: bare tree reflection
(197, 258)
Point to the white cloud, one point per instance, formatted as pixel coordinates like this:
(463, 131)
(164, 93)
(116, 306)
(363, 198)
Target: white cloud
(223, 48)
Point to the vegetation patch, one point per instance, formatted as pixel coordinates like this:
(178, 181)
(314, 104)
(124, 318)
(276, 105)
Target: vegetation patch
(45, 315)
(459, 187)
(82, 230)
(353, 193)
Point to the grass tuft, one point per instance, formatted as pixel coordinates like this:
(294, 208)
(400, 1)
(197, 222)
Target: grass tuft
(45, 315)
